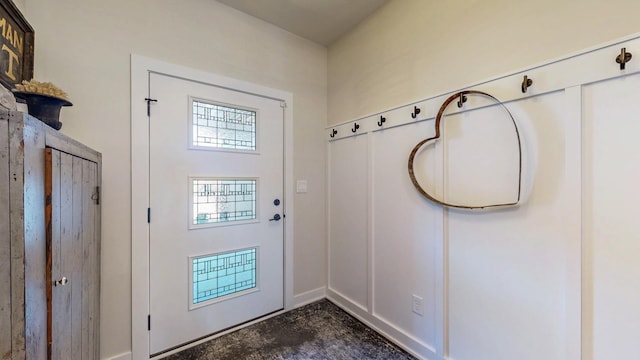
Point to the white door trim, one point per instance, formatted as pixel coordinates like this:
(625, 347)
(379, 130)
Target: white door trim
(140, 68)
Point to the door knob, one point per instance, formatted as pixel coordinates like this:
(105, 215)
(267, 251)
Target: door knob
(61, 282)
(276, 217)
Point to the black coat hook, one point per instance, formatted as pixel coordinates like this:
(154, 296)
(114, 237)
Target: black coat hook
(355, 127)
(462, 100)
(623, 58)
(526, 82)
(382, 120)
(333, 133)
(416, 111)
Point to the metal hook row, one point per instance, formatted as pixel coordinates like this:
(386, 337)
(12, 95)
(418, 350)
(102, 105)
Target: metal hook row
(623, 58)
(416, 110)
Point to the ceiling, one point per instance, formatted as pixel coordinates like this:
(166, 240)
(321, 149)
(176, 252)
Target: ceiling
(321, 21)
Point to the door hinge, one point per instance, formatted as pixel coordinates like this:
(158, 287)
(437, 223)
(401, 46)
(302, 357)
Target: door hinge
(148, 215)
(149, 101)
(96, 195)
(283, 104)
(149, 322)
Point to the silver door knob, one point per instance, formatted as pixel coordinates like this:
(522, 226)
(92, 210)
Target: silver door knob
(62, 281)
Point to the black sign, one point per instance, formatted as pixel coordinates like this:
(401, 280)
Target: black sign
(16, 46)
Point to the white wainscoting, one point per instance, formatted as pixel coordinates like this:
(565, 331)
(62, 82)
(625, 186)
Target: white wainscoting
(611, 226)
(556, 277)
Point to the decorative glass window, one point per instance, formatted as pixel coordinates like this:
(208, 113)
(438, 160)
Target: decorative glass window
(222, 126)
(216, 201)
(223, 274)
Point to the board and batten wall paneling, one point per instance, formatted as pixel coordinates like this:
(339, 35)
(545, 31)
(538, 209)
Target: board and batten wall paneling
(487, 272)
(348, 220)
(508, 267)
(556, 277)
(481, 150)
(407, 237)
(611, 232)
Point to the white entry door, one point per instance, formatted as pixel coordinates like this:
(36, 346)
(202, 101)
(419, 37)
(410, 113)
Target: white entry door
(216, 211)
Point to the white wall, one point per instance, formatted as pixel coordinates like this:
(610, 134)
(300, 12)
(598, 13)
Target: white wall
(411, 49)
(84, 47)
(19, 4)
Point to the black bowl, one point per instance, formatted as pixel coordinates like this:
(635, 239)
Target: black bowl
(44, 107)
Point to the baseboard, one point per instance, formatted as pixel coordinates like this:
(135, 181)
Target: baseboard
(123, 356)
(410, 344)
(310, 296)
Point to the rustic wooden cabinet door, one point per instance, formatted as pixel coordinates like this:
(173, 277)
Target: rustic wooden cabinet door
(72, 256)
(50, 226)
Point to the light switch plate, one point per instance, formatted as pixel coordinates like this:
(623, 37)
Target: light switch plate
(301, 186)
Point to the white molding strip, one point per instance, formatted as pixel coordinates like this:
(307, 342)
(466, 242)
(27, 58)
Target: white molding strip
(123, 356)
(345, 299)
(573, 171)
(309, 297)
(549, 76)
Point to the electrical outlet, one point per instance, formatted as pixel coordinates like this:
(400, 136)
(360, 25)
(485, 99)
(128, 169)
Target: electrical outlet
(417, 305)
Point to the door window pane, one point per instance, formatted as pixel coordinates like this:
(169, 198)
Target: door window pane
(223, 200)
(223, 274)
(222, 126)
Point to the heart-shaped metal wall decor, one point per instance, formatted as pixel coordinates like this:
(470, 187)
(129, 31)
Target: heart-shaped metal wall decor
(462, 95)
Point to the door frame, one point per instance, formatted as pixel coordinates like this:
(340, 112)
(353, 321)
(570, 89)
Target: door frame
(141, 67)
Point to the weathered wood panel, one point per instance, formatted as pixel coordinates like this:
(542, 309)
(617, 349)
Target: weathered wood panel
(75, 259)
(34, 242)
(54, 249)
(91, 268)
(96, 181)
(16, 205)
(62, 252)
(75, 210)
(70, 146)
(5, 245)
(52, 225)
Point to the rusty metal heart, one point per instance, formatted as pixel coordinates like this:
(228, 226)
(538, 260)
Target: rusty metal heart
(462, 96)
